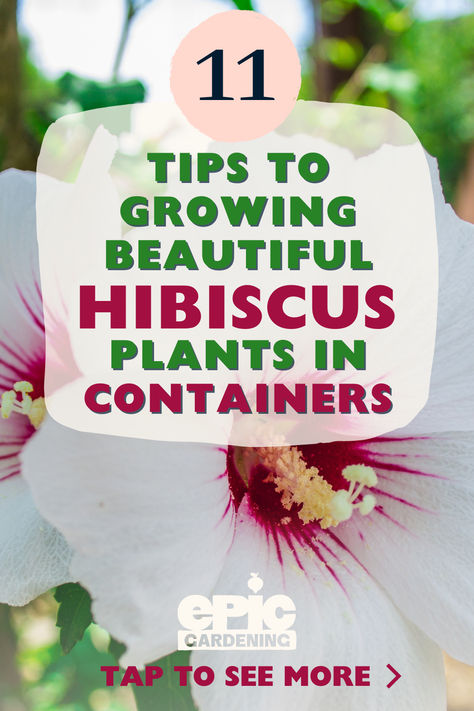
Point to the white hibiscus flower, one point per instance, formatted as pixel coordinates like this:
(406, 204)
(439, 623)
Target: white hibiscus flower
(33, 555)
(151, 523)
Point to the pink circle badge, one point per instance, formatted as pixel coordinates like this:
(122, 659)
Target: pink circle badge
(236, 76)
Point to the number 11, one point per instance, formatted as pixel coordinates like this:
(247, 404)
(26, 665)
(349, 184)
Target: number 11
(217, 59)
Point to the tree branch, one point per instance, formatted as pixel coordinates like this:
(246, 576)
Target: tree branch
(132, 8)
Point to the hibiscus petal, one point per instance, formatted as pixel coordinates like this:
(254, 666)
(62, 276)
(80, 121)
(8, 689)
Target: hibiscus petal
(33, 556)
(418, 542)
(449, 407)
(147, 521)
(342, 618)
(21, 327)
(21, 323)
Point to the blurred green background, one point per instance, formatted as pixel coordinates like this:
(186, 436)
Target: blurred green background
(416, 58)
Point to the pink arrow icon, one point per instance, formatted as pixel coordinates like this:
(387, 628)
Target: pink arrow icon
(396, 677)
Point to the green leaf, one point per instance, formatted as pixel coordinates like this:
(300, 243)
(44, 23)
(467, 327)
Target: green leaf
(116, 649)
(244, 4)
(74, 614)
(90, 94)
(165, 694)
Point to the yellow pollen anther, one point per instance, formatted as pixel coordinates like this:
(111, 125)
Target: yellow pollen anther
(23, 386)
(367, 504)
(298, 484)
(37, 412)
(304, 487)
(360, 474)
(8, 399)
(341, 506)
(35, 409)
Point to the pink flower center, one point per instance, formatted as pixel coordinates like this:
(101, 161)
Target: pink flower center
(292, 487)
(20, 400)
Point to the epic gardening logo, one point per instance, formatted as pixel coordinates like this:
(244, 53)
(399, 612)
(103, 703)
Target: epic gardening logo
(237, 622)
